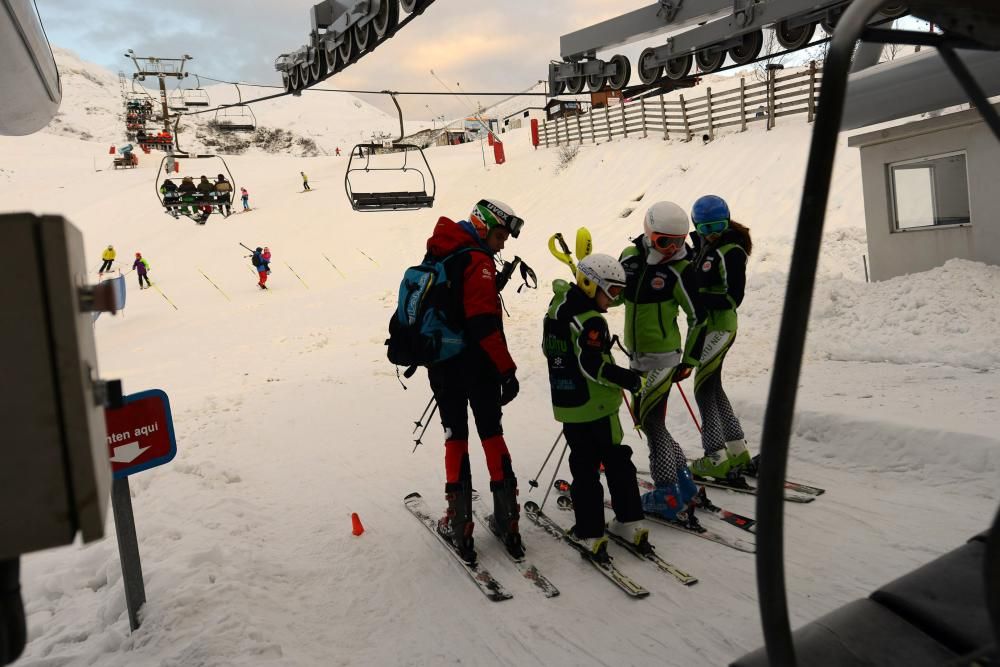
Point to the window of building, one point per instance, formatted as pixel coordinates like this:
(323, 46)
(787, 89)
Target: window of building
(929, 192)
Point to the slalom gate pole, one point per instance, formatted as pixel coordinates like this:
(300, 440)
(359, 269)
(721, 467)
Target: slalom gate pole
(366, 255)
(690, 411)
(554, 473)
(420, 438)
(154, 285)
(420, 422)
(533, 483)
(214, 285)
(296, 275)
(334, 266)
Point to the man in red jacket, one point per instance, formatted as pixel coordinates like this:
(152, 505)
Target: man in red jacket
(482, 376)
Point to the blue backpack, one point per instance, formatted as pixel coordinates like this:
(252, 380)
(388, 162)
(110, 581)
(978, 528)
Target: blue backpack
(422, 330)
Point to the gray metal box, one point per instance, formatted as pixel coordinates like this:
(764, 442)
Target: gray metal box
(55, 477)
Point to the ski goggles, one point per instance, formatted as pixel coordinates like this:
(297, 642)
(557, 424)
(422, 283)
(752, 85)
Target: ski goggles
(666, 242)
(614, 290)
(511, 223)
(710, 227)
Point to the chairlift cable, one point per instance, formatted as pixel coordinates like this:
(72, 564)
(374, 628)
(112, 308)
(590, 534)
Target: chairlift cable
(377, 92)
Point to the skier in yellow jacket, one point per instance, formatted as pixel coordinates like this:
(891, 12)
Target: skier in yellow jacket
(108, 256)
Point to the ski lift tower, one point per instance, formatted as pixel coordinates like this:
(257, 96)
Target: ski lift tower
(161, 68)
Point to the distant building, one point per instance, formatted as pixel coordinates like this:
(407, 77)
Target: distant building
(521, 118)
(562, 108)
(605, 98)
(930, 193)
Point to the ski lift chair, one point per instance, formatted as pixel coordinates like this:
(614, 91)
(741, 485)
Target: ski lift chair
(196, 97)
(370, 200)
(237, 118)
(194, 203)
(948, 611)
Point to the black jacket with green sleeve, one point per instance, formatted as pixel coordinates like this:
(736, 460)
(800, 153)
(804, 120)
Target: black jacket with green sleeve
(585, 382)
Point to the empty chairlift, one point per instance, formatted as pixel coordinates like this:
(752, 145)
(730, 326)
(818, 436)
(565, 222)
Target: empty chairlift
(236, 118)
(196, 97)
(389, 176)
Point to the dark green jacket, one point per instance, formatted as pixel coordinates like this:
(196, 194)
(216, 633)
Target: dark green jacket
(654, 295)
(721, 268)
(585, 382)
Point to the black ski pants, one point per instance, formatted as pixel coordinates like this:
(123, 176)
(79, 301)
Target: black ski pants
(467, 380)
(590, 445)
(106, 266)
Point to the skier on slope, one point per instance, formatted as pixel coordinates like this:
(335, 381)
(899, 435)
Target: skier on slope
(262, 265)
(661, 280)
(481, 376)
(141, 268)
(586, 397)
(245, 198)
(722, 247)
(305, 181)
(108, 258)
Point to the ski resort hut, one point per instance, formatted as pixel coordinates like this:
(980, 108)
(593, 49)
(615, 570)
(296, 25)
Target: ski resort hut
(930, 193)
(562, 108)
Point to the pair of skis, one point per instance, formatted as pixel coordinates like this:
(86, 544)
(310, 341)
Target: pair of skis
(685, 522)
(483, 579)
(795, 492)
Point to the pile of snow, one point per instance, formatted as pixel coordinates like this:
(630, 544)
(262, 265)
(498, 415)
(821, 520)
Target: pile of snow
(289, 418)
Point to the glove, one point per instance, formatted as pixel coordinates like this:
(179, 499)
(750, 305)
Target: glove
(635, 383)
(682, 372)
(509, 386)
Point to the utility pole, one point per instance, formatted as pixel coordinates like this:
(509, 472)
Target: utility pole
(161, 68)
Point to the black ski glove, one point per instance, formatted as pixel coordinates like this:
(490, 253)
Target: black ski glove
(635, 382)
(509, 386)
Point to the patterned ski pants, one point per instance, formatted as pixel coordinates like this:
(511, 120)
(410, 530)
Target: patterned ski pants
(719, 423)
(665, 455)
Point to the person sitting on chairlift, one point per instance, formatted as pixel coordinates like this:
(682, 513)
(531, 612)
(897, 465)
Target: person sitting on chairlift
(170, 196)
(224, 193)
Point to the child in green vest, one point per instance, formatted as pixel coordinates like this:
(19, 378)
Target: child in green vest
(586, 397)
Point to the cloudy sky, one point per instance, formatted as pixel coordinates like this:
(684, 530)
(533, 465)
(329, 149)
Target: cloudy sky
(475, 45)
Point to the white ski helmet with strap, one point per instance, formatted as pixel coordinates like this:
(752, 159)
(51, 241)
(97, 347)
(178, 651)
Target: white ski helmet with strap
(665, 227)
(602, 271)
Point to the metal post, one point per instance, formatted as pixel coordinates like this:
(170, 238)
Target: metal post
(663, 117)
(684, 115)
(811, 103)
(607, 121)
(556, 122)
(642, 108)
(711, 130)
(593, 135)
(743, 105)
(770, 97)
(163, 103)
(128, 549)
(579, 128)
(624, 122)
(864, 260)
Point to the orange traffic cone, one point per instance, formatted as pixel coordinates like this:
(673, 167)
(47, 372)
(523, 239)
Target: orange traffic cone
(356, 524)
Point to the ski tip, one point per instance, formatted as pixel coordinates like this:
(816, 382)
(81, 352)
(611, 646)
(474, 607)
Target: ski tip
(415, 494)
(532, 506)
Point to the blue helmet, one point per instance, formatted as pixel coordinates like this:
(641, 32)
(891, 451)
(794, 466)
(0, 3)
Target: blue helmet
(710, 215)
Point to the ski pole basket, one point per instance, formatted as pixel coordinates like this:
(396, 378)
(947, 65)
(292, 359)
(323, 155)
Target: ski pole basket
(388, 177)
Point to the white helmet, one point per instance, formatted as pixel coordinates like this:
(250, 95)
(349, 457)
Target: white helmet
(665, 227)
(602, 271)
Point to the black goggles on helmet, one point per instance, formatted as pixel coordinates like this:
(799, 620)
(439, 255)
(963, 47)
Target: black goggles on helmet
(511, 223)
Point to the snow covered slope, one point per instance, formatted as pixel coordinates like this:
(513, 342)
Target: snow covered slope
(289, 418)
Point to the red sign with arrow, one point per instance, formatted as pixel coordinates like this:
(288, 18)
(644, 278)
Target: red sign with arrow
(140, 433)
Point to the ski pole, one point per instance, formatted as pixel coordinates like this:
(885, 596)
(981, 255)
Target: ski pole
(214, 285)
(693, 418)
(420, 437)
(420, 422)
(366, 255)
(297, 275)
(335, 267)
(554, 473)
(533, 483)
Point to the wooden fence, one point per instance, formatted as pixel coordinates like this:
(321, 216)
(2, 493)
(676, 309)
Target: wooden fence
(684, 119)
